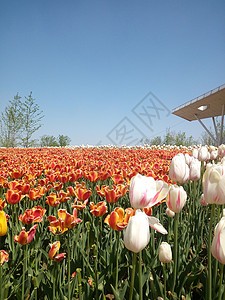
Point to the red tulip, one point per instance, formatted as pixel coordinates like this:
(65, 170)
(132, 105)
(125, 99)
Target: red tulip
(53, 252)
(4, 257)
(32, 215)
(24, 237)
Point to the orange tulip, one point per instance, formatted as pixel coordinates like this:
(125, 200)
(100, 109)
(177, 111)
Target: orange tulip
(98, 210)
(56, 225)
(53, 252)
(101, 191)
(122, 188)
(64, 178)
(74, 176)
(82, 193)
(2, 204)
(57, 186)
(13, 185)
(112, 195)
(92, 175)
(4, 257)
(16, 174)
(69, 221)
(36, 193)
(79, 205)
(64, 222)
(52, 200)
(13, 196)
(3, 181)
(32, 215)
(117, 220)
(117, 178)
(24, 237)
(63, 196)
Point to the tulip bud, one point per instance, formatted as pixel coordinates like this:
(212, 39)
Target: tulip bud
(187, 159)
(221, 150)
(218, 245)
(195, 153)
(214, 155)
(179, 170)
(203, 153)
(176, 198)
(212, 148)
(165, 253)
(214, 184)
(195, 170)
(170, 213)
(202, 201)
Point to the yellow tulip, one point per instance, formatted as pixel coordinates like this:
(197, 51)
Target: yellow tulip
(3, 223)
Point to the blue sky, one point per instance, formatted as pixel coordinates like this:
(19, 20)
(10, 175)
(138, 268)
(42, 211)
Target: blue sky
(92, 64)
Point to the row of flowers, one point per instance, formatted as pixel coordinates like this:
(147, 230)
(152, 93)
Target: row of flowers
(70, 178)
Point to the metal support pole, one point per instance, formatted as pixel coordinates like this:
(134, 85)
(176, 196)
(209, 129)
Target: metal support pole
(221, 129)
(206, 129)
(216, 131)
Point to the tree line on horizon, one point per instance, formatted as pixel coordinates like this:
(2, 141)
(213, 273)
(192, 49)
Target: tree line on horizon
(20, 120)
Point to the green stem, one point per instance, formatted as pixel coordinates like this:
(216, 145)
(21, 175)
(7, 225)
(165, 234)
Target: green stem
(54, 280)
(96, 270)
(88, 239)
(117, 257)
(209, 289)
(164, 278)
(224, 294)
(215, 278)
(68, 263)
(1, 283)
(176, 219)
(132, 275)
(24, 271)
(202, 227)
(14, 216)
(79, 283)
(140, 276)
(34, 279)
(221, 282)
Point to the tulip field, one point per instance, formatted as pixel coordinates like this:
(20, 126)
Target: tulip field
(112, 222)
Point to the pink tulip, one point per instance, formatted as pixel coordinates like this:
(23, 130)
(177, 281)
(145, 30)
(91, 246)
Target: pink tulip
(202, 201)
(214, 154)
(195, 170)
(195, 153)
(203, 153)
(214, 184)
(176, 198)
(179, 170)
(221, 150)
(137, 234)
(218, 243)
(146, 191)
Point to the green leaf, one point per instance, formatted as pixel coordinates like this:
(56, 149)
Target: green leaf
(116, 294)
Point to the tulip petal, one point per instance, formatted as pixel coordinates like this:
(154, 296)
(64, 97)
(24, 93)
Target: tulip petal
(162, 190)
(155, 224)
